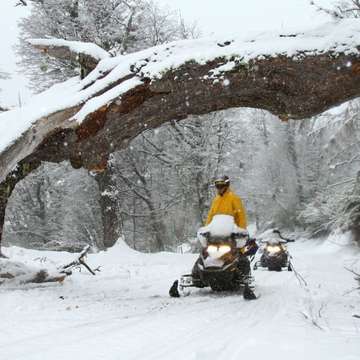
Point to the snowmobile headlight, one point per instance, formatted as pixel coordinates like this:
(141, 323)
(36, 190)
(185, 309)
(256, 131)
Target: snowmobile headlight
(218, 251)
(273, 249)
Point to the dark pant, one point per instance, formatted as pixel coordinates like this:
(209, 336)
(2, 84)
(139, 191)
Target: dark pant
(244, 265)
(195, 270)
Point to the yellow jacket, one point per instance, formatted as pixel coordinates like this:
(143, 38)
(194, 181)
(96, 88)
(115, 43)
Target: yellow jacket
(228, 204)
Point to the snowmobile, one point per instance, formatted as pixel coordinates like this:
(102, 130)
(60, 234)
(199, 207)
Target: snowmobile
(222, 264)
(275, 255)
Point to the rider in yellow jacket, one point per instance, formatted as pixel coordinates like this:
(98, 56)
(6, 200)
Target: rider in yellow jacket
(227, 203)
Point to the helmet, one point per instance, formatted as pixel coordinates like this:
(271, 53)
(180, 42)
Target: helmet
(222, 181)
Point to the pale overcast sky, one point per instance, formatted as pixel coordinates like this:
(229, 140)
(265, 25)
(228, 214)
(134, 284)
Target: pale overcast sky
(218, 17)
(236, 16)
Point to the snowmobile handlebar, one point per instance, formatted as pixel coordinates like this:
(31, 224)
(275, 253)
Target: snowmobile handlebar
(233, 235)
(241, 234)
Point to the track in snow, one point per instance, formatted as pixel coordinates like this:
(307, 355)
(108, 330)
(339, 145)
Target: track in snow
(125, 313)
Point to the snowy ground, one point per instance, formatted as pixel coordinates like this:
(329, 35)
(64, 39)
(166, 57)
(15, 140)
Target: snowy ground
(125, 312)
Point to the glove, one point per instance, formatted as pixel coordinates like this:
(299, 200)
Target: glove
(251, 247)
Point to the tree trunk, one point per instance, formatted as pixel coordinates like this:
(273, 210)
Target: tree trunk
(354, 209)
(7, 187)
(294, 160)
(158, 227)
(112, 228)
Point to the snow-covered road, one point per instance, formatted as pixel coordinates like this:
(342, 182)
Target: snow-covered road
(125, 312)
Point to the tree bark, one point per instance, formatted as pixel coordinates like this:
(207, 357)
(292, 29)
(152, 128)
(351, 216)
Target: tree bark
(112, 228)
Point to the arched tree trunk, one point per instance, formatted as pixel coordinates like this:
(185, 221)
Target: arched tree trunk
(125, 96)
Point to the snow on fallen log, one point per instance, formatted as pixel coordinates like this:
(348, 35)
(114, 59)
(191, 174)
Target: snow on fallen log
(19, 273)
(65, 49)
(87, 55)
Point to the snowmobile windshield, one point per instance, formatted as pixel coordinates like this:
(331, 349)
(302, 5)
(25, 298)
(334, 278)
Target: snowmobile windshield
(273, 241)
(273, 236)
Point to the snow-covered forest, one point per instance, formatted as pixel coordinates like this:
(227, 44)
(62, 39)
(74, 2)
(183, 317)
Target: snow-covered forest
(156, 192)
(297, 176)
(132, 210)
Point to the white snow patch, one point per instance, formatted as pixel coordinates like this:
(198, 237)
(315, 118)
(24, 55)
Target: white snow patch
(15, 122)
(104, 99)
(126, 309)
(222, 68)
(76, 46)
(226, 82)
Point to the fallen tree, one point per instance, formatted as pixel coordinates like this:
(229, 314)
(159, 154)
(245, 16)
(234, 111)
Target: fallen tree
(87, 55)
(19, 273)
(294, 76)
(78, 263)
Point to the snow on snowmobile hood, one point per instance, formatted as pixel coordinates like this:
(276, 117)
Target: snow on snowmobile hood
(221, 225)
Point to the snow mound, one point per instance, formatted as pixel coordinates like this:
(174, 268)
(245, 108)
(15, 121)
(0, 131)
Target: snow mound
(119, 253)
(120, 248)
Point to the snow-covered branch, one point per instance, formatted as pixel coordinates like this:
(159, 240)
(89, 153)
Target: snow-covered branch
(87, 55)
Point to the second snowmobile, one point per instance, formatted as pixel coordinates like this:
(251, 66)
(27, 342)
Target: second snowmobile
(223, 264)
(275, 255)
